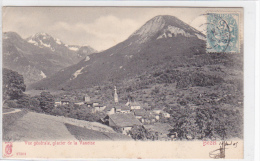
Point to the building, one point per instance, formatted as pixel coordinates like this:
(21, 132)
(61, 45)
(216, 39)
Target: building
(133, 105)
(161, 129)
(165, 114)
(140, 114)
(123, 121)
(65, 101)
(155, 114)
(122, 109)
(148, 119)
(59, 102)
(92, 104)
(89, 104)
(157, 111)
(115, 96)
(117, 108)
(79, 103)
(86, 98)
(98, 108)
(109, 110)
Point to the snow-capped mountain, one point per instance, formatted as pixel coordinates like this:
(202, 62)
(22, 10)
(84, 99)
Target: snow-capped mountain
(44, 40)
(164, 27)
(85, 50)
(161, 40)
(37, 57)
(73, 47)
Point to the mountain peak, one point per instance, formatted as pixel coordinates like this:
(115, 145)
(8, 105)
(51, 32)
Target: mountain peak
(150, 28)
(42, 39)
(42, 35)
(163, 24)
(12, 35)
(163, 17)
(155, 24)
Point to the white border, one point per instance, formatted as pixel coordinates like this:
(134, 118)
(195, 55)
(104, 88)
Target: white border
(257, 84)
(249, 50)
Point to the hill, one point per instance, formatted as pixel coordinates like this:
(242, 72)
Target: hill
(29, 126)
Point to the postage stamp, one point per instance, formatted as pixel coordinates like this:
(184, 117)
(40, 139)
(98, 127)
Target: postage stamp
(223, 32)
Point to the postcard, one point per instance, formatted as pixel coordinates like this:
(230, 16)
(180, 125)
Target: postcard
(123, 82)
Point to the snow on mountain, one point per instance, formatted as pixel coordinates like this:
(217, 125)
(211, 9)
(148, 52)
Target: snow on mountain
(164, 26)
(200, 36)
(174, 31)
(42, 40)
(73, 48)
(43, 75)
(38, 56)
(141, 53)
(149, 29)
(45, 40)
(58, 41)
(46, 45)
(87, 58)
(78, 72)
(32, 42)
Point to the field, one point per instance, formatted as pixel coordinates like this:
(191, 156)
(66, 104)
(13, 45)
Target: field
(28, 126)
(86, 134)
(9, 121)
(33, 126)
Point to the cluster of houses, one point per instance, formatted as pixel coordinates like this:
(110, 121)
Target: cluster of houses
(124, 116)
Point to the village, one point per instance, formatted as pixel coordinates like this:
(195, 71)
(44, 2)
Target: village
(123, 116)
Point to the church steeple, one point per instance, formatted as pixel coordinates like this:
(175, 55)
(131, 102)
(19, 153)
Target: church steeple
(115, 96)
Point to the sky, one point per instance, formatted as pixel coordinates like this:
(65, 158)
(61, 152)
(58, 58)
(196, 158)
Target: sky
(98, 27)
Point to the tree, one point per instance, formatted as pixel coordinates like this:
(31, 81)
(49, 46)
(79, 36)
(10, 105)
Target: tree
(138, 132)
(28, 102)
(13, 85)
(46, 101)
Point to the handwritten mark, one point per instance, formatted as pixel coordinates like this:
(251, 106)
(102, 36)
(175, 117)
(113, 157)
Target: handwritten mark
(220, 152)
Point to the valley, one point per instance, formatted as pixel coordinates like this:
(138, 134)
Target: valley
(158, 84)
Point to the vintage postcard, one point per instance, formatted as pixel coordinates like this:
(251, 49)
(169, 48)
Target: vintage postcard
(123, 82)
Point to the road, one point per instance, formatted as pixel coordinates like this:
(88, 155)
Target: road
(14, 111)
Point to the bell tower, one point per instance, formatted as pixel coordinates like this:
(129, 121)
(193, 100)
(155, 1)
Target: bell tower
(115, 96)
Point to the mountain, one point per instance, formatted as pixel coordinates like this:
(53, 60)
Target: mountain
(73, 52)
(38, 56)
(85, 50)
(161, 40)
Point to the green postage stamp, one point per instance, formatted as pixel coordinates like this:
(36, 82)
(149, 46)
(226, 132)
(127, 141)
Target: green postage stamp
(223, 32)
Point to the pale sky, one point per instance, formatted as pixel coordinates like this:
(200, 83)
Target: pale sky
(99, 27)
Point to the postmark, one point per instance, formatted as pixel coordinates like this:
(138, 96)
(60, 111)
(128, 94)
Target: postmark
(223, 33)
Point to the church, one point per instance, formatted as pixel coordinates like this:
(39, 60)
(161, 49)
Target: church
(120, 116)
